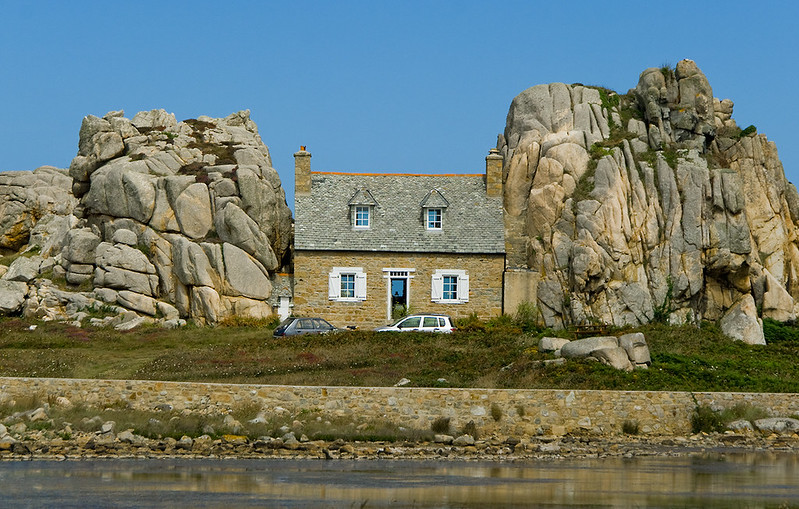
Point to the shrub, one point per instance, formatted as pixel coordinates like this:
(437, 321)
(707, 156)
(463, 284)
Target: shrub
(471, 323)
(744, 411)
(629, 427)
(496, 412)
(440, 425)
(470, 428)
(775, 331)
(705, 419)
(667, 70)
(748, 131)
(527, 316)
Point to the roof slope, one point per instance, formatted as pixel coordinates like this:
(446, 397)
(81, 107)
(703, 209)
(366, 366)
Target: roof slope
(472, 221)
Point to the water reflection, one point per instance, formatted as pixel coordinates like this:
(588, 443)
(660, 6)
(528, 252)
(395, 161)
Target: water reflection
(740, 480)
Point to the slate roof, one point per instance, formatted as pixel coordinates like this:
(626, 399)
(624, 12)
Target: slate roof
(472, 222)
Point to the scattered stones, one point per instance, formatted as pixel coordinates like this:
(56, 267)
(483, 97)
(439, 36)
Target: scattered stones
(463, 440)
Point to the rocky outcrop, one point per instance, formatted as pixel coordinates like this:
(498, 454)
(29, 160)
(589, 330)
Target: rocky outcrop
(30, 197)
(154, 220)
(652, 205)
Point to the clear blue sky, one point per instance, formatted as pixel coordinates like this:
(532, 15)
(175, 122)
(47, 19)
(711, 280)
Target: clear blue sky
(374, 85)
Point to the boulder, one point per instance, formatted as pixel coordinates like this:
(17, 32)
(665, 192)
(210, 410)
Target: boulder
(637, 349)
(23, 269)
(613, 357)
(778, 425)
(236, 227)
(741, 323)
(193, 211)
(585, 347)
(205, 304)
(137, 302)
(153, 119)
(125, 236)
(777, 302)
(244, 276)
(191, 264)
(12, 295)
(50, 233)
(80, 246)
(122, 189)
(550, 344)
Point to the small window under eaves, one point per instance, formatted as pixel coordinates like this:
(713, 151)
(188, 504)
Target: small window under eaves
(433, 206)
(361, 208)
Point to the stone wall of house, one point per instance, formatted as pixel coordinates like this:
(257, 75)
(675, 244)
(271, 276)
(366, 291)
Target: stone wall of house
(519, 412)
(312, 268)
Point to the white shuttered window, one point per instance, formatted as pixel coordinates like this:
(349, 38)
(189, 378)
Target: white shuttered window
(346, 284)
(449, 287)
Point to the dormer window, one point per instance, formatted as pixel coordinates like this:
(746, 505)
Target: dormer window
(433, 207)
(362, 216)
(362, 206)
(434, 217)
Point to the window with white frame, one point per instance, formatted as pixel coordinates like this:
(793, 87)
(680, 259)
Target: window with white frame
(433, 219)
(450, 287)
(362, 216)
(347, 284)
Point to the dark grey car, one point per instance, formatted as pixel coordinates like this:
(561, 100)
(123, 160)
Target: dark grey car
(296, 326)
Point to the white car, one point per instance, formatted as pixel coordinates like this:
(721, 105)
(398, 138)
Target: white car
(420, 323)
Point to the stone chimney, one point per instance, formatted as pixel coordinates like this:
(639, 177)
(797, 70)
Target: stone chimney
(302, 172)
(494, 174)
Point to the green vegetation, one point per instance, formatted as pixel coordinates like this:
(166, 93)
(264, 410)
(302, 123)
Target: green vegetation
(225, 153)
(609, 98)
(706, 419)
(629, 427)
(582, 191)
(668, 71)
(749, 131)
(496, 353)
(496, 412)
(671, 156)
(441, 425)
(778, 332)
(661, 313)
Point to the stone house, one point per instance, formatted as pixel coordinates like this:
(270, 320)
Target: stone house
(369, 246)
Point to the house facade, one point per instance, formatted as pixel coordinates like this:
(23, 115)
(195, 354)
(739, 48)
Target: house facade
(371, 247)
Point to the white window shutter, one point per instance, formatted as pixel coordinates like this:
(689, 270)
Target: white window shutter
(334, 286)
(463, 288)
(437, 288)
(360, 285)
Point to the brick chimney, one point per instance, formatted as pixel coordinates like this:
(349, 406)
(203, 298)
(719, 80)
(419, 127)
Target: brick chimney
(302, 172)
(494, 174)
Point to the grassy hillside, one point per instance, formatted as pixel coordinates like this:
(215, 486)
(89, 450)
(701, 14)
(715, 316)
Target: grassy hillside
(498, 354)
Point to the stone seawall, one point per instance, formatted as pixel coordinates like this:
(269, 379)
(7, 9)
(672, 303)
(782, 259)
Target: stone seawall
(518, 412)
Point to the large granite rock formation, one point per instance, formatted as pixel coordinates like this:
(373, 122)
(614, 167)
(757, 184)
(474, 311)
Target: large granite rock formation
(161, 219)
(652, 205)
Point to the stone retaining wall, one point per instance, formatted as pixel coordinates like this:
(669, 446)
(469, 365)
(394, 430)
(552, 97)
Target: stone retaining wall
(517, 412)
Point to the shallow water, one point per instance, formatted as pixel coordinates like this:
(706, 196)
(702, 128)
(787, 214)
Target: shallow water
(740, 480)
